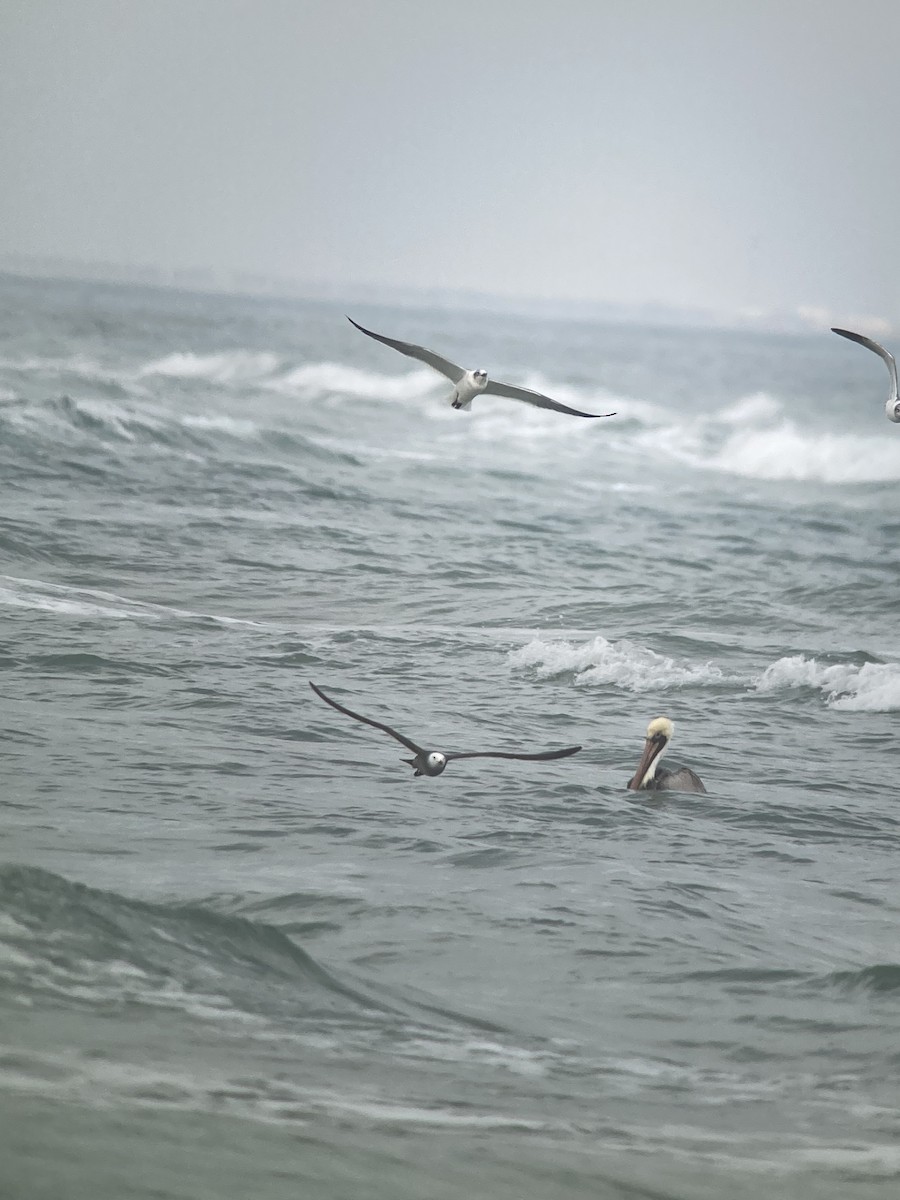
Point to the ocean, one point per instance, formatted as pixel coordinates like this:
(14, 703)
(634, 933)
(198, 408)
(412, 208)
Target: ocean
(244, 952)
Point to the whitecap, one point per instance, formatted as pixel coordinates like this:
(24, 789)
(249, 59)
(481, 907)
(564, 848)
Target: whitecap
(789, 453)
(236, 426)
(334, 379)
(872, 687)
(91, 602)
(624, 664)
(753, 438)
(231, 366)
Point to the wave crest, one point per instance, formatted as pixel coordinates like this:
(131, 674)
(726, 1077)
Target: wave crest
(231, 366)
(754, 439)
(872, 687)
(336, 379)
(624, 664)
(788, 453)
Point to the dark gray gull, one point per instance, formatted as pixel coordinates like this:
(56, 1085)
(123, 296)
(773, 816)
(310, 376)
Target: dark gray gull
(433, 762)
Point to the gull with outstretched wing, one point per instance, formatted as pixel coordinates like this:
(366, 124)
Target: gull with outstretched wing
(469, 384)
(433, 762)
(892, 404)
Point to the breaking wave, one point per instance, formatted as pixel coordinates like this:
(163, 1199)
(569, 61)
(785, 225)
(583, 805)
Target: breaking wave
(872, 687)
(314, 380)
(754, 439)
(232, 366)
(850, 687)
(92, 604)
(624, 664)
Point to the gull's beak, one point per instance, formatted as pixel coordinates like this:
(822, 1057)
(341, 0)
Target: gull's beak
(652, 748)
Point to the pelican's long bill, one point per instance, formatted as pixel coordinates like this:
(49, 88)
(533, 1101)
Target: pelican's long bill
(653, 747)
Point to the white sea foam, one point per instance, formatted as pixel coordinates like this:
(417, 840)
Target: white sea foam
(788, 452)
(754, 439)
(623, 664)
(334, 379)
(377, 1109)
(872, 687)
(231, 366)
(236, 426)
(762, 443)
(75, 364)
(514, 1059)
(90, 602)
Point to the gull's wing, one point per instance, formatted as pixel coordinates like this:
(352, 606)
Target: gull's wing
(879, 350)
(544, 756)
(536, 398)
(348, 712)
(451, 370)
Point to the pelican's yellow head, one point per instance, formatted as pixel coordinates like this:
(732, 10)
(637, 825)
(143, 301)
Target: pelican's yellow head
(661, 727)
(659, 734)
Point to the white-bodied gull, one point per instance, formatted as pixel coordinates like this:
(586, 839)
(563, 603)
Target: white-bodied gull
(892, 404)
(432, 762)
(647, 777)
(469, 384)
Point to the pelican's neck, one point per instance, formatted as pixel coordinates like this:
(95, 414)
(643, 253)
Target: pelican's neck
(650, 773)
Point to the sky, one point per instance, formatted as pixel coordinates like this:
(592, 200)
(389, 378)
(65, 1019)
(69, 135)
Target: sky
(732, 155)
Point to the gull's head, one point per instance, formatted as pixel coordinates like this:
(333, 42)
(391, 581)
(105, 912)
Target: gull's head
(659, 734)
(481, 377)
(435, 762)
(892, 408)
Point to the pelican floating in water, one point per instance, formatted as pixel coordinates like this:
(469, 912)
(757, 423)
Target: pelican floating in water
(469, 384)
(432, 762)
(648, 777)
(892, 404)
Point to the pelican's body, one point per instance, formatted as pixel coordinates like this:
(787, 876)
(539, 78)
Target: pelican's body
(649, 777)
(892, 404)
(469, 384)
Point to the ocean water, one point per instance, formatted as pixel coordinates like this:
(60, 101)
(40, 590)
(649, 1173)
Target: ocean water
(243, 952)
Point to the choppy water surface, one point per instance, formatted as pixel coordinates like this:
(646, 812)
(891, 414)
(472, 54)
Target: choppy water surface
(243, 952)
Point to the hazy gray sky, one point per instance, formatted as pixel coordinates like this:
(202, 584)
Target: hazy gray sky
(734, 154)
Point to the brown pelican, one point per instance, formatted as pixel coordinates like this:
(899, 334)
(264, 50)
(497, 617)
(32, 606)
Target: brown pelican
(469, 384)
(432, 762)
(681, 779)
(892, 404)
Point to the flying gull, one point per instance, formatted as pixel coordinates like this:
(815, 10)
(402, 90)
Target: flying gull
(432, 762)
(892, 405)
(469, 384)
(647, 777)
